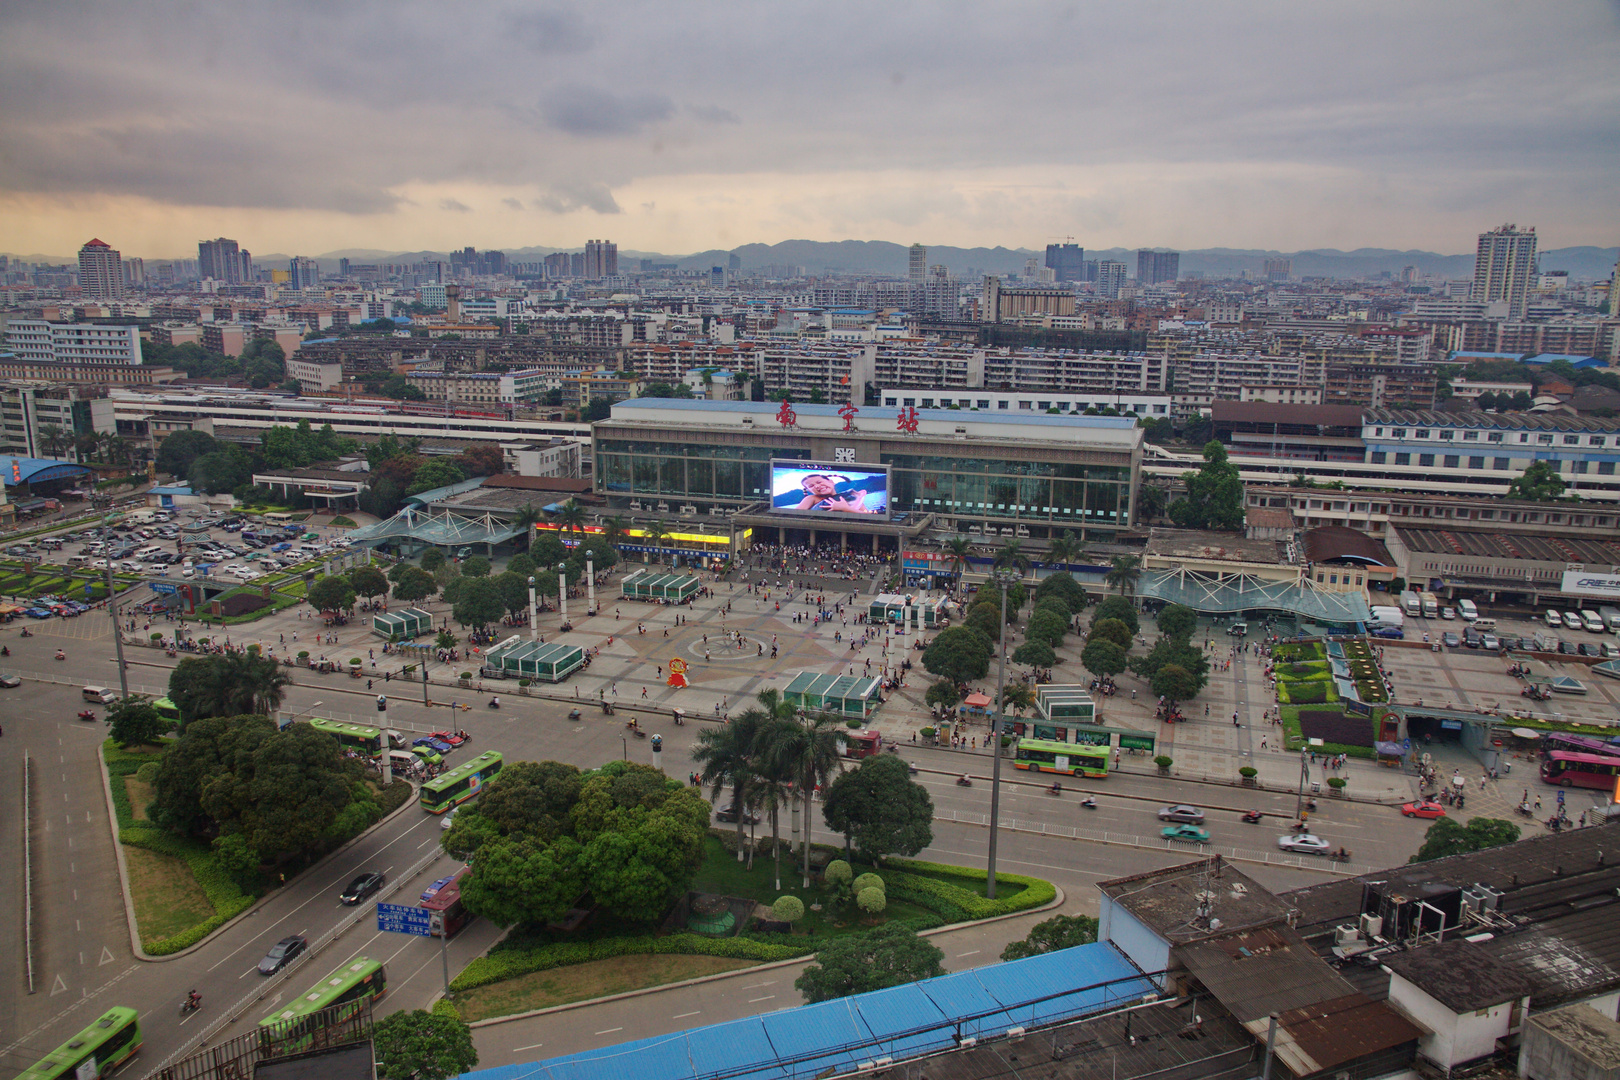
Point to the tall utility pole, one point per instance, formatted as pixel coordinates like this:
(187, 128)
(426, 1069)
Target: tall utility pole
(1004, 577)
(112, 609)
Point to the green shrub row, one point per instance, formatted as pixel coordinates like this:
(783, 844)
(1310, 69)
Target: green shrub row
(445, 1007)
(934, 894)
(510, 963)
(223, 893)
(394, 796)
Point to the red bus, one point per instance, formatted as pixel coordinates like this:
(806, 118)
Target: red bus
(1580, 770)
(448, 914)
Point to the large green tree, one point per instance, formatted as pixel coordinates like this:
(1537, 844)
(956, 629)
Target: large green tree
(419, 1045)
(368, 581)
(281, 790)
(1048, 626)
(880, 809)
(477, 602)
(224, 469)
(1063, 586)
(1035, 653)
(1447, 837)
(960, 653)
(1175, 683)
(228, 684)
(1102, 657)
(180, 450)
(1111, 630)
(1058, 932)
(1214, 498)
(730, 756)
(1540, 482)
(808, 749)
(331, 594)
(890, 955)
(414, 584)
(1178, 621)
(435, 473)
(1117, 607)
(133, 721)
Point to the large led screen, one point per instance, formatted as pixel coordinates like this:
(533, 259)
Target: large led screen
(815, 487)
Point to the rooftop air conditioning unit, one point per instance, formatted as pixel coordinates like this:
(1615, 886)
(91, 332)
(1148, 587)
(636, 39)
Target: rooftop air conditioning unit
(968, 1042)
(1016, 1034)
(1473, 900)
(1345, 934)
(1372, 925)
(1493, 898)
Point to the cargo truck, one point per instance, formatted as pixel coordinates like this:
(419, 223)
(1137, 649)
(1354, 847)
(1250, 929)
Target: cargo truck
(1431, 605)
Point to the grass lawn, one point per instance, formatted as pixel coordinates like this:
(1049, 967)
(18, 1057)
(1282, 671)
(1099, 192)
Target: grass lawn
(580, 982)
(165, 892)
(722, 873)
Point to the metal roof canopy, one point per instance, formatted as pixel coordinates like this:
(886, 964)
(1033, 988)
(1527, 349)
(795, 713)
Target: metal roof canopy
(38, 470)
(900, 1022)
(437, 526)
(812, 684)
(409, 622)
(648, 583)
(1243, 592)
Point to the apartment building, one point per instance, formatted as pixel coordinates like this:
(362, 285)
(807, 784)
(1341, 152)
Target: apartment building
(315, 376)
(81, 343)
(1148, 405)
(43, 420)
(1207, 377)
(101, 273)
(490, 388)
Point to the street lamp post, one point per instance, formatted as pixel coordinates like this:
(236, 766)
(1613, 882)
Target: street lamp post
(1004, 577)
(590, 584)
(1304, 775)
(534, 617)
(562, 590)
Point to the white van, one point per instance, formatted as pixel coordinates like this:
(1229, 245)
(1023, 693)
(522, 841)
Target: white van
(1572, 620)
(99, 694)
(1554, 619)
(1593, 621)
(148, 551)
(1467, 610)
(78, 560)
(1485, 625)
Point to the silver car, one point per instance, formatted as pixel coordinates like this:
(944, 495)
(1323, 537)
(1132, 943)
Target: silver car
(1181, 812)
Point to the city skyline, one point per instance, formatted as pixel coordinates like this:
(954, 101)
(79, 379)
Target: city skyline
(299, 129)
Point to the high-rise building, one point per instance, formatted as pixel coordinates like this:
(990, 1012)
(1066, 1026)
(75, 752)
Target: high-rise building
(1504, 267)
(1154, 267)
(303, 273)
(1111, 278)
(134, 273)
(222, 260)
(601, 259)
(1066, 261)
(917, 267)
(101, 271)
(1279, 269)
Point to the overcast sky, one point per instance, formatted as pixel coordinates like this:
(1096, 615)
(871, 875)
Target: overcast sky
(306, 127)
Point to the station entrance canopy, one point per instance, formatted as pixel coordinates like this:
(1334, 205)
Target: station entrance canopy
(1236, 593)
(439, 527)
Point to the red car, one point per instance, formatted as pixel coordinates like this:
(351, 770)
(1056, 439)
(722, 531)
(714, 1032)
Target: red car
(454, 738)
(1424, 810)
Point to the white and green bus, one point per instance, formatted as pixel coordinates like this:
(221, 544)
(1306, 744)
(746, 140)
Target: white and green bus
(461, 783)
(357, 737)
(94, 1052)
(357, 982)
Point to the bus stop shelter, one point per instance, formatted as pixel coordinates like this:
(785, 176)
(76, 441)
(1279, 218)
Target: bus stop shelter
(402, 625)
(647, 585)
(846, 695)
(521, 659)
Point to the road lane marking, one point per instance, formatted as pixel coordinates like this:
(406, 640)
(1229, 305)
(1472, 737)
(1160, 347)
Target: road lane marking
(970, 952)
(767, 997)
(533, 1046)
(683, 1016)
(610, 1031)
(757, 986)
(424, 843)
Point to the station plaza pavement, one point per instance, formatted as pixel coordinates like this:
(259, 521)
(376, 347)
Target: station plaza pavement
(636, 641)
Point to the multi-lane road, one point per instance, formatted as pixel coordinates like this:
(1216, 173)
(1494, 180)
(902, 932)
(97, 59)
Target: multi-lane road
(83, 960)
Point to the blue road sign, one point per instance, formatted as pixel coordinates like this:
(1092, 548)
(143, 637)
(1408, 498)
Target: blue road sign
(403, 919)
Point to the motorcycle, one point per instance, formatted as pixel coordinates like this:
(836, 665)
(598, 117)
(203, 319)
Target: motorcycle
(1253, 817)
(1089, 802)
(963, 781)
(495, 703)
(1055, 789)
(190, 1005)
(607, 707)
(1339, 856)
(87, 714)
(1523, 810)
(5, 651)
(60, 655)
(679, 716)
(573, 714)
(1299, 827)
(26, 632)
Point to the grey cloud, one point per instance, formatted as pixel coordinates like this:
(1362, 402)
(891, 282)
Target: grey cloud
(714, 114)
(455, 204)
(588, 113)
(550, 32)
(586, 196)
(512, 204)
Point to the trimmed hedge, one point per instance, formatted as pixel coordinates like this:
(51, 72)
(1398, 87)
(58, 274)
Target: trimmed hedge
(954, 902)
(511, 963)
(444, 1007)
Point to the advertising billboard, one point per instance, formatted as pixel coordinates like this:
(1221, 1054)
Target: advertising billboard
(815, 487)
(1586, 583)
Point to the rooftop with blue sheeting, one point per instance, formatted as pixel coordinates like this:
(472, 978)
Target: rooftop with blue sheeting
(900, 1022)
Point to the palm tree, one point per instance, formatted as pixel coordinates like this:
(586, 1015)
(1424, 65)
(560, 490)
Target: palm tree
(614, 531)
(656, 533)
(571, 517)
(807, 748)
(727, 755)
(1124, 573)
(1013, 557)
(1064, 548)
(527, 517)
(958, 548)
(53, 437)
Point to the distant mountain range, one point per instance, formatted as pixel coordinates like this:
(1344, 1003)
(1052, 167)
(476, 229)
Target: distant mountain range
(882, 257)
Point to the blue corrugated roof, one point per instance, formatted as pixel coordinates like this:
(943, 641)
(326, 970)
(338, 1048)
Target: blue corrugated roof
(29, 470)
(899, 1022)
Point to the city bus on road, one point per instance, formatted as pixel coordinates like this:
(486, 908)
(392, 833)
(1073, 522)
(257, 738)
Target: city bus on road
(1553, 741)
(1073, 759)
(461, 783)
(168, 710)
(446, 912)
(357, 982)
(357, 737)
(1580, 770)
(94, 1052)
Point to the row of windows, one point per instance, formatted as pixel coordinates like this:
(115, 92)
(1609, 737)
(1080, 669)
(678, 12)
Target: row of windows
(1499, 464)
(1333, 579)
(1543, 438)
(1031, 405)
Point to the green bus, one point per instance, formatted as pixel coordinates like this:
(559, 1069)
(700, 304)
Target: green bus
(1045, 755)
(461, 783)
(94, 1052)
(357, 737)
(359, 980)
(168, 710)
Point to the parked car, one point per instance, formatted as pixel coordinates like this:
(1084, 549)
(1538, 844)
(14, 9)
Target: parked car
(728, 813)
(1568, 648)
(450, 737)
(1394, 632)
(362, 887)
(1490, 641)
(1305, 843)
(432, 744)
(10, 681)
(1450, 640)
(1182, 812)
(282, 953)
(1424, 809)
(1191, 834)
(1589, 648)
(1448, 613)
